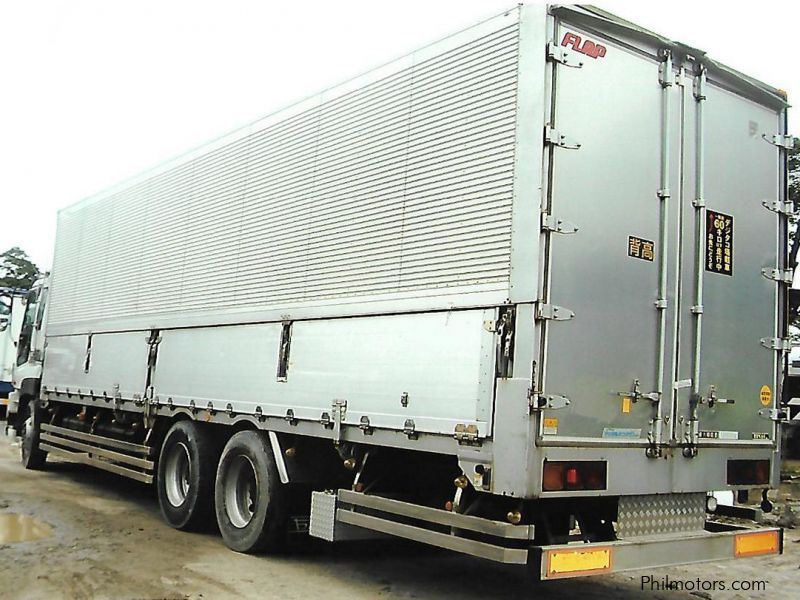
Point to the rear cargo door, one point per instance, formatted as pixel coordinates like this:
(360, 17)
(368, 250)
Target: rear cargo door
(600, 368)
(732, 256)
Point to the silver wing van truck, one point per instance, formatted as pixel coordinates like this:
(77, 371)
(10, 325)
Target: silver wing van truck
(519, 294)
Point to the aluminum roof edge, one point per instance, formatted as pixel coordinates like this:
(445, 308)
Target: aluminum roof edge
(729, 77)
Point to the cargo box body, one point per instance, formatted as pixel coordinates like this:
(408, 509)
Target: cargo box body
(552, 236)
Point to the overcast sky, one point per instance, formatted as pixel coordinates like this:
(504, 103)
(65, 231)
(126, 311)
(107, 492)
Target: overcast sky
(94, 91)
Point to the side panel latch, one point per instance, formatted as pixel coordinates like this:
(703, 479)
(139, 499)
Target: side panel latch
(467, 434)
(504, 328)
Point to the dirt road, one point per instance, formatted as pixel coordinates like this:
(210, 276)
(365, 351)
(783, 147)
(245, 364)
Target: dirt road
(106, 540)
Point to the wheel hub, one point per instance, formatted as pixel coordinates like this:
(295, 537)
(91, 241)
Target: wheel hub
(241, 491)
(177, 474)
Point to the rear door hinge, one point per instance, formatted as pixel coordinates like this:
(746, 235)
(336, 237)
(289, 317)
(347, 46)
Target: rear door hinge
(467, 434)
(774, 343)
(700, 84)
(680, 78)
(547, 402)
(773, 414)
(553, 313)
(780, 140)
(782, 208)
(666, 76)
(556, 225)
(553, 136)
(563, 56)
(779, 275)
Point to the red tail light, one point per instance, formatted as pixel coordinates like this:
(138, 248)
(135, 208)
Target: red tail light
(748, 472)
(574, 475)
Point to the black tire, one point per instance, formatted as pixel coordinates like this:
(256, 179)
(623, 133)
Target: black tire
(251, 502)
(33, 458)
(185, 483)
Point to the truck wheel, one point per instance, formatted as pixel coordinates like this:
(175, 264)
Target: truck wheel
(33, 457)
(251, 502)
(186, 467)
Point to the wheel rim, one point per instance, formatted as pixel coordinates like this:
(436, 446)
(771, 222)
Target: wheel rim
(240, 488)
(177, 474)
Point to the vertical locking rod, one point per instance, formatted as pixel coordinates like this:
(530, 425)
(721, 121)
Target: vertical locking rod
(666, 78)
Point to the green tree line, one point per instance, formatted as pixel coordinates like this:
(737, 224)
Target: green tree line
(17, 270)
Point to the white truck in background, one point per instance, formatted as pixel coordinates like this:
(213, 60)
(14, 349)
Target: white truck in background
(12, 309)
(520, 294)
(29, 343)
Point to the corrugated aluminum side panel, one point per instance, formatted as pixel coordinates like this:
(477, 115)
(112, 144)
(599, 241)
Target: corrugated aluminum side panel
(369, 361)
(398, 187)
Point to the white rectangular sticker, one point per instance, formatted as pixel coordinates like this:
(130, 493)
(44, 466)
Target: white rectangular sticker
(622, 433)
(719, 435)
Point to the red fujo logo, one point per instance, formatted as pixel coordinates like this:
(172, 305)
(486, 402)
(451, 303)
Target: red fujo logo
(587, 47)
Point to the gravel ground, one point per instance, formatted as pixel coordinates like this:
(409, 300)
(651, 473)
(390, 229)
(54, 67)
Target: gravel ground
(107, 541)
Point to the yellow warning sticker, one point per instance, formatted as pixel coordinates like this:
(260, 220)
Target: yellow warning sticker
(550, 426)
(626, 404)
(766, 395)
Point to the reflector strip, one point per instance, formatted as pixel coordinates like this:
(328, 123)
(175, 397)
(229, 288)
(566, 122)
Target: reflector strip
(566, 563)
(752, 544)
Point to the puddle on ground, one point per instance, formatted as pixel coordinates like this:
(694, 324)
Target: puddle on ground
(22, 528)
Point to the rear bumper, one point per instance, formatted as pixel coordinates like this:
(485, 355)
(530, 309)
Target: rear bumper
(344, 513)
(571, 560)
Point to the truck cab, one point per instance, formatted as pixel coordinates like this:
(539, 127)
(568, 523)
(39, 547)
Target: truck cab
(12, 306)
(30, 343)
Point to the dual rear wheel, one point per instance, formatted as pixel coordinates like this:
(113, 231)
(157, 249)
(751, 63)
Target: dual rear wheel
(238, 485)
